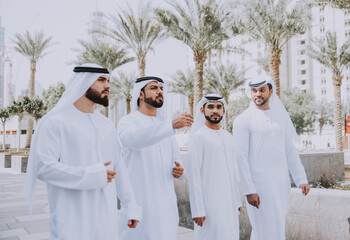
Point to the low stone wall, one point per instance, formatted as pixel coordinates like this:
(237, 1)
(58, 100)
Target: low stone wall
(323, 166)
(321, 215)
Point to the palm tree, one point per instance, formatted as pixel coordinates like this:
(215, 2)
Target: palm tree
(341, 4)
(138, 32)
(324, 114)
(4, 116)
(201, 26)
(103, 54)
(335, 59)
(183, 84)
(124, 84)
(114, 97)
(275, 22)
(33, 47)
(16, 108)
(223, 80)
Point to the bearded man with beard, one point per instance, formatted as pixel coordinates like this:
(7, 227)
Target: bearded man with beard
(264, 143)
(153, 160)
(214, 192)
(75, 150)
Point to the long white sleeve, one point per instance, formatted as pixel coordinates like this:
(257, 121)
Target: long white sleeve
(194, 165)
(136, 138)
(124, 189)
(176, 156)
(52, 171)
(295, 166)
(241, 141)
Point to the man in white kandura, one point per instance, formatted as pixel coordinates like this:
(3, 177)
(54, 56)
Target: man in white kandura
(264, 135)
(153, 160)
(214, 193)
(75, 150)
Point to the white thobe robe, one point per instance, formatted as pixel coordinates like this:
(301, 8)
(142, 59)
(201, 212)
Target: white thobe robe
(265, 156)
(150, 149)
(72, 148)
(213, 187)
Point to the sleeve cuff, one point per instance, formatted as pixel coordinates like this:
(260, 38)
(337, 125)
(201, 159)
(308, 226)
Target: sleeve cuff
(198, 214)
(101, 176)
(134, 212)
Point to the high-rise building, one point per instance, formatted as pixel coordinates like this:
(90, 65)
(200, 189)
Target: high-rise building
(97, 23)
(2, 63)
(297, 69)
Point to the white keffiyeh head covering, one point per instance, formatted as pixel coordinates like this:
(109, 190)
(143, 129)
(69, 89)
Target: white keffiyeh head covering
(81, 80)
(139, 85)
(274, 103)
(199, 120)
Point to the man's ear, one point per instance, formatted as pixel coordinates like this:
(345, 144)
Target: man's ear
(224, 111)
(142, 94)
(202, 110)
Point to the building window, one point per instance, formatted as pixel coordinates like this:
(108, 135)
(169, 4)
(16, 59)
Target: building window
(302, 42)
(23, 132)
(302, 62)
(304, 90)
(323, 91)
(303, 82)
(303, 72)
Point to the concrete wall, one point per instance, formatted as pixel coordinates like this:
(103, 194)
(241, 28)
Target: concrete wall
(323, 166)
(322, 215)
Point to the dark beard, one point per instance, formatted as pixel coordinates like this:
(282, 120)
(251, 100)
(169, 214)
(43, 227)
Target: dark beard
(153, 103)
(95, 97)
(213, 121)
(261, 104)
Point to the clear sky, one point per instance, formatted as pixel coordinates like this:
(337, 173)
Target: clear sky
(67, 21)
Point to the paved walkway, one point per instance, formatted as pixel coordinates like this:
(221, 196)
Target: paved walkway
(15, 222)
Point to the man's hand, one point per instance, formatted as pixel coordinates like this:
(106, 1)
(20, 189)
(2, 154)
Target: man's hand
(199, 221)
(110, 173)
(132, 223)
(254, 200)
(178, 170)
(304, 188)
(184, 120)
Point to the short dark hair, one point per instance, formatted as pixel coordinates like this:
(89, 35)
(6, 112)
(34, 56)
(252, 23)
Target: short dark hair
(270, 86)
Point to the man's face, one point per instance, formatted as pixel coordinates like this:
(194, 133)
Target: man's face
(261, 95)
(213, 111)
(98, 92)
(152, 94)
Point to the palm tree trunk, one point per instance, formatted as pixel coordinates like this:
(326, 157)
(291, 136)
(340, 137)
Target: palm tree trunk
(4, 139)
(337, 112)
(321, 126)
(32, 79)
(274, 67)
(198, 81)
(116, 115)
(19, 132)
(128, 105)
(142, 65)
(226, 116)
(190, 105)
(31, 95)
(29, 131)
(106, 112)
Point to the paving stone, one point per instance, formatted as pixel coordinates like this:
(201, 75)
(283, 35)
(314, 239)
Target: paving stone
(13, 232)
(33, 217)
(28, 224)
(36, 236)
(3, 227)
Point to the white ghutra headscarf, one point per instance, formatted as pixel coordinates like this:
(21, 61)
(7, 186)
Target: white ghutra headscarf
(199, 120)
(274, 103)
(139, 85)
(81, 80)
